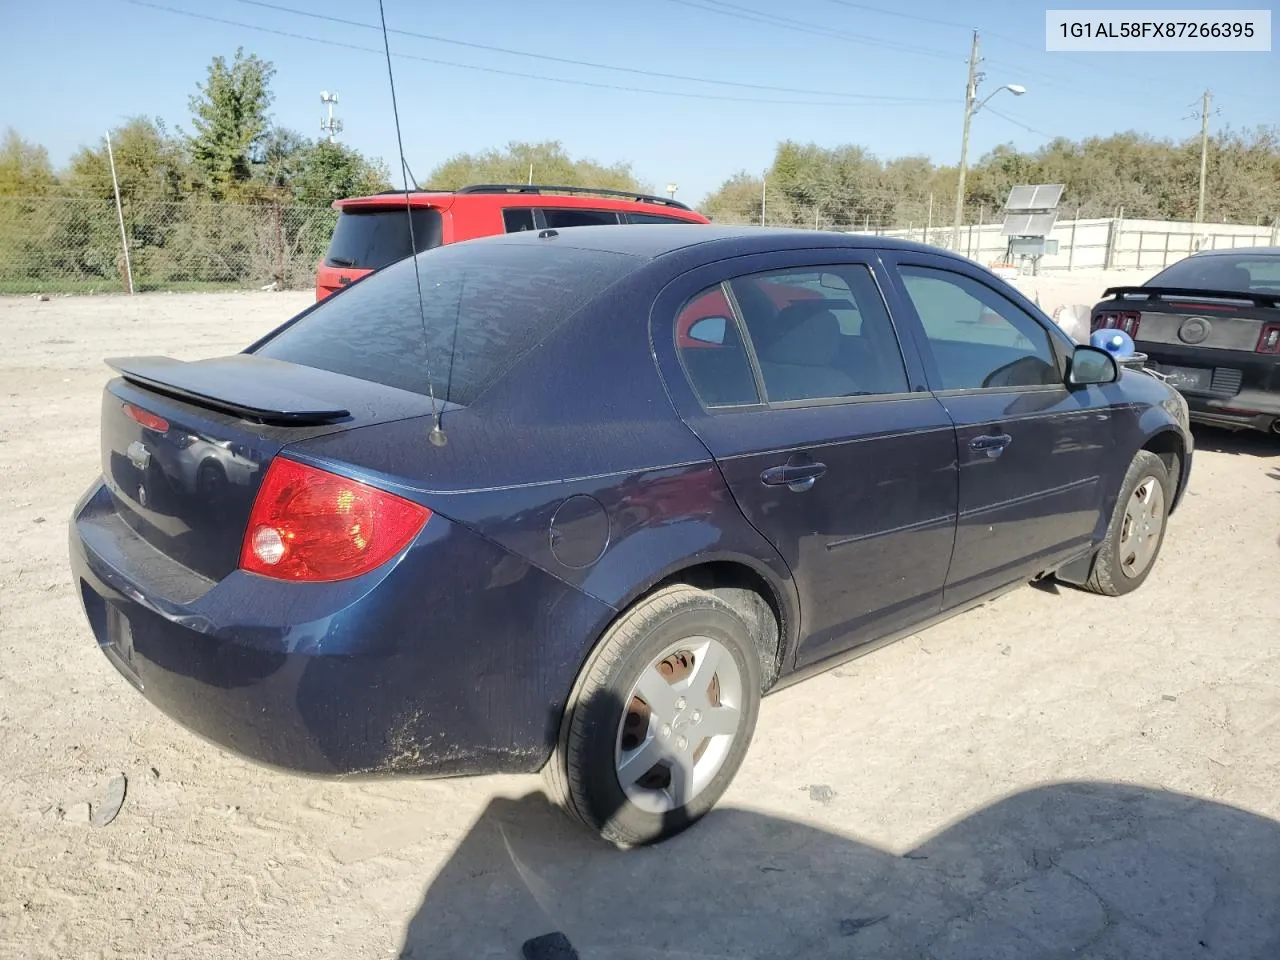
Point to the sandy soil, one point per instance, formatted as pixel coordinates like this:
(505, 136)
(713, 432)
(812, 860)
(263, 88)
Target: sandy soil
(1051, 774)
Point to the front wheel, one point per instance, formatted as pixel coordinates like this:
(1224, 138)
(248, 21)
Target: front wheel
(1137, 527)
(660, 718)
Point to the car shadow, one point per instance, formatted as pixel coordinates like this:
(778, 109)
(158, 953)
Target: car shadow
(1252, 443)
(1083, 869)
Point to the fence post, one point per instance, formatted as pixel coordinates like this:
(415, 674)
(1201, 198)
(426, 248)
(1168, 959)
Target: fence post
(279, 246)
(977, 251)
(124, 237)
(928, 223)
(1071, 251)
(1113, 239)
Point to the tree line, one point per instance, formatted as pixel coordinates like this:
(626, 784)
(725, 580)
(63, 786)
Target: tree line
(1129, 173)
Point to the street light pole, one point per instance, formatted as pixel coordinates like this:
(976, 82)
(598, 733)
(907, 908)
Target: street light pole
(971, 106)
(970, 94)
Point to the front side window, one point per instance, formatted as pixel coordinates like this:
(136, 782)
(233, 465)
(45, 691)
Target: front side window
(653, 218)
(820, 333)
(978, 338)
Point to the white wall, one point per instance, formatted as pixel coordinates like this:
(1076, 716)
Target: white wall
(1115, 244)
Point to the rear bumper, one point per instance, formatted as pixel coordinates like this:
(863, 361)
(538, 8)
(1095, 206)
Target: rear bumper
(410, 670)
(1246, 386)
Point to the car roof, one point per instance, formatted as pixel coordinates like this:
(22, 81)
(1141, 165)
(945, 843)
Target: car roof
(524, 195)
(649, 241)
(1240, 252)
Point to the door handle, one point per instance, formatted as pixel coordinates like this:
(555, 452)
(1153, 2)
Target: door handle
(799, 477)
(991, 444)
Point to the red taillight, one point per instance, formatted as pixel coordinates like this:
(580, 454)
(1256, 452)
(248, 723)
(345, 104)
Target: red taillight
(146, 418)
(1128, 322)
(1269, 341)
(311, 525)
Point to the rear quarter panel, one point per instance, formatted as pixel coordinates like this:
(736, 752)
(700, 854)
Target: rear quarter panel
(583, 425)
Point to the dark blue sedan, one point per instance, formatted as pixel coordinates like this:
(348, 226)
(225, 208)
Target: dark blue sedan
(588, 496)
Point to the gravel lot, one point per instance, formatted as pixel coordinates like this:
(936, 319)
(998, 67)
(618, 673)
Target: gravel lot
(1051, 774)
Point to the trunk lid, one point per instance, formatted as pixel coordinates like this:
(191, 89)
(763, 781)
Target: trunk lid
(185, 445)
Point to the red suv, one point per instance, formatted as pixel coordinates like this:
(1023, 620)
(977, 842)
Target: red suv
(371, 232)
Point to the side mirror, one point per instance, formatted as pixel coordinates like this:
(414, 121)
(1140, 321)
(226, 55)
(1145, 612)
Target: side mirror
(1089, 365)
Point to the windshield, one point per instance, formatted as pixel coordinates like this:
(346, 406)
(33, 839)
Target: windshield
(1246, 272)
(483, 306)
(373, 239)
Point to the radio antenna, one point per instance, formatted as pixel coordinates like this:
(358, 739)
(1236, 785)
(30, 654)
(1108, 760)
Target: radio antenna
(437, 436)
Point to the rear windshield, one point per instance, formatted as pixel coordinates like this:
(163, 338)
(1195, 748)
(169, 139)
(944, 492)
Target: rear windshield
(373, 239)
(485, 306)
(1242, 273)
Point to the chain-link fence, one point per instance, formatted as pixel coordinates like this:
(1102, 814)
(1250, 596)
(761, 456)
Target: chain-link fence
(71, 244)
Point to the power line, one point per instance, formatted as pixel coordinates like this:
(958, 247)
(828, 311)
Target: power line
(905, 16)
(1111, 69)
(736, 12)
(527, 76)
(567, 60)
(1019, 123)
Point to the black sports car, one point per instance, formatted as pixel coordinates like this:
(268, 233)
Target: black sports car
(1211, 325)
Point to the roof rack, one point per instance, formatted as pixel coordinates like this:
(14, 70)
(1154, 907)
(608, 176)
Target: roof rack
(596, 191)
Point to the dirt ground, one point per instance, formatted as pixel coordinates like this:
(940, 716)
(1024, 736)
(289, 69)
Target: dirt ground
(1052, 774)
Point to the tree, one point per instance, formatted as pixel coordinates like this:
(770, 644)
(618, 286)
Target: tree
(231, 121)
(24, 167)
(550, 163)
(325, 172)
(150, 165)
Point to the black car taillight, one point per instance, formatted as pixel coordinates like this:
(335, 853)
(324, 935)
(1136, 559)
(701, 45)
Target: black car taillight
(1128, 322)
(1269, 340)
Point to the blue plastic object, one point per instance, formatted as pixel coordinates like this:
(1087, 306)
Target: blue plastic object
(1116, 342)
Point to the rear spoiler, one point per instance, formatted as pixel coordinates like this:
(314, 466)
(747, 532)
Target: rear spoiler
(1180, 293)
(253, 388)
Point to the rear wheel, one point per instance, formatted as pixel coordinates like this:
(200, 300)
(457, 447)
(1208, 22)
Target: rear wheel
(660, 718)
(1137, 527)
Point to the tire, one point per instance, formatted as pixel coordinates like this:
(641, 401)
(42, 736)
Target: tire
(1134, 536)
(676, 752)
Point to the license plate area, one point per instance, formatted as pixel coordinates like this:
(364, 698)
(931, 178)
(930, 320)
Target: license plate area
(119, 645)
(1189, 378)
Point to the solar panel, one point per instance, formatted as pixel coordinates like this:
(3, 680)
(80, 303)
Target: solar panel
(1038, 196)
(1028, 224)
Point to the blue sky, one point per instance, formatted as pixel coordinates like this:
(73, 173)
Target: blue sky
(74, 68)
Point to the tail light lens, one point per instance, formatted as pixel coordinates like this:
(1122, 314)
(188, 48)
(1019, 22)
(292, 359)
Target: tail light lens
(1269, 341)
(311, 525)
(1127, 321)
(146, 418)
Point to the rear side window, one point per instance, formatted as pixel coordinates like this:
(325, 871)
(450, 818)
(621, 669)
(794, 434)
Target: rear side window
(821, 333)
(713, 353)
(569, 217)
(483, 307)
(373, 239)
(517, 219)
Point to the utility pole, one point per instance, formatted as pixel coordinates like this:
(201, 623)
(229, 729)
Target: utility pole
(1204, 151)
(970, 95)
(764, 186)
(332, 126)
